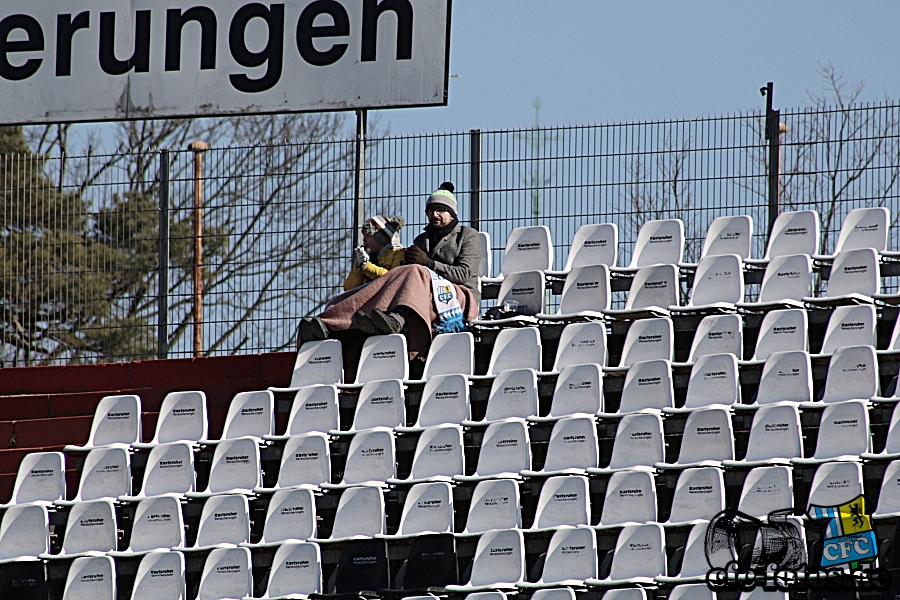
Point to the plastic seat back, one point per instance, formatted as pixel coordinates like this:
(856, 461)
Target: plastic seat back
(648, 339)
(843, 430)
(564, 501)
(581, 343)
(485, 267)
(518, 348)
(653, 286)
(782, 331)
(445, 401)
(505, 449)
(291, 516)
(360, 512)
(579, 389)
(638, 442)
(892, 443)
(363, 565)
(91, 578)
(775, 434)
(527, 248)
(318, 362)
(524, 287)
(296, 569)
(889, 495)
(728, 235)
(383, 357)
(439, 453)
(694, 562)
(224, 520)
(571, 556)
(428, 508)
(594, 244)
(586, 289)
(499, 559)
(648, 384)
(693, 591)
(495, 505)
(573, 444)
(794, 233)
(106, 473)
(158, 525)
(714, 381)
(852, 325)
(852, 374)
(699, 494)
(854, 272)
(767, 489)
(432, 562)
(786, 376)
(91, 527)
(787, 277)
(659, 242)
(182, 418)
(24, 531)
(226, 574)
(835, 483)
(305, 460)
(250, 414)
(160, 576)
(450, 353)
(40, 478)
(235, 467)
(864, 228)
(513, 394)
(707, 435)
(315, 408)
(380, 404)
(169, 470)
(370, 457)
(630, 498)
(718, 279)
(718, 334)
(117, 420)
(640, 552)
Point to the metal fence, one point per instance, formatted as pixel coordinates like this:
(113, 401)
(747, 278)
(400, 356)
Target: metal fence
(81, 256)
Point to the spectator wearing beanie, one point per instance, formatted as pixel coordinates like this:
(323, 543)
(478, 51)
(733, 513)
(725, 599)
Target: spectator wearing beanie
(381, 250)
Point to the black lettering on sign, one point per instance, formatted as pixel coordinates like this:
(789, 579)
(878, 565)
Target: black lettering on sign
(272, 55)
(307, 31)
(35, 42)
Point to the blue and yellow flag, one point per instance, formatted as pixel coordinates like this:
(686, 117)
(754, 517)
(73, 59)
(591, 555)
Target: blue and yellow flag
(848, 536)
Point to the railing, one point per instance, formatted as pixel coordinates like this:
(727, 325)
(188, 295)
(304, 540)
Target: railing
(82, 249)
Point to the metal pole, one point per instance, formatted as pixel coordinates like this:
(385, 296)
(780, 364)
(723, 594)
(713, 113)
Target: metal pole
(162, 316)
(198, 148)
(475, 178)
(773, 137)
(359, 182)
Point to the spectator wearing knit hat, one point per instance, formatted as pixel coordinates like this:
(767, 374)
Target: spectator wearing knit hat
(381, 250)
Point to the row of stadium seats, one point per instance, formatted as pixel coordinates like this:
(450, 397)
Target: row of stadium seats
(662, 242)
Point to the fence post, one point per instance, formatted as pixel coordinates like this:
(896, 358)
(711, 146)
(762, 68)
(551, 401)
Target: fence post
(773, 137)
(198, 148)
(359, 180)
(475, 178)
(162, 311)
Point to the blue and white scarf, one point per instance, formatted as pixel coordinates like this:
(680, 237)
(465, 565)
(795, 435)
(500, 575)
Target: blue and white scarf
(450, 315)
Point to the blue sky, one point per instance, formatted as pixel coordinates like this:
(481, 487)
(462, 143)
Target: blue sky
(599, 62)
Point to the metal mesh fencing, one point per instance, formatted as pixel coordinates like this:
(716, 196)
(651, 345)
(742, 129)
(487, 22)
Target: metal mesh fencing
(81, 255)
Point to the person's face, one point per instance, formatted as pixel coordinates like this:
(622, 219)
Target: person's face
(438, 217)
(372, 244)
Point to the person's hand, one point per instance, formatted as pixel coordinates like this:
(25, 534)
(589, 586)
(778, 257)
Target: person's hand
(360, 258)
(415, 256)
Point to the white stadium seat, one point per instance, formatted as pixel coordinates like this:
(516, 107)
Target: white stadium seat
(359, 514)
(767, 489)
(182, 418)
(24, 533)
(786, 377)
(505, 451)
(892, 443)
(564, 500)
(485, 268)
(160, 576)
(383, 357)
(718, 334)
(581, 343)
(438, 455)
(370, 459)
(630, 498)
(713, 382)
(445, 401)
(718, 285)
(639, 557)
(450, 353)
(226, 574)
(91, 577)
(526, 288)
(852, 325)
(659, 242)
(106, 474)
(585, 295)
(852, 375)
(380, 404)
(428, 509)
(319, 362)
(158, 525)
(305, 462)
(250, 414)
(90, 528)
(169, 470)
(495, 505)
(854, 279)
(782, 331)
(786, 282)
(518, 348)
(728, 235)
(889, 495)
(774, 436)
(699, 495)
(835, 483)
(708, 439)
(863, 228)
(648, 386)
(40, 479)
(513, 394)
(793, 233)
(527, 248)
(224, 521)
(648, 339)
(290, 517)
(653, 290)
(296, 571)
(314, 409)
(571, 558)
(117, 420)
(572, 447)
(592, 244)
(234, 468)
(578, 390)
(843, 433)
(638, 443)
(499, 562)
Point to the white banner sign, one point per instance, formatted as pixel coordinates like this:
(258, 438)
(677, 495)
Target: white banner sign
(97, 60)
